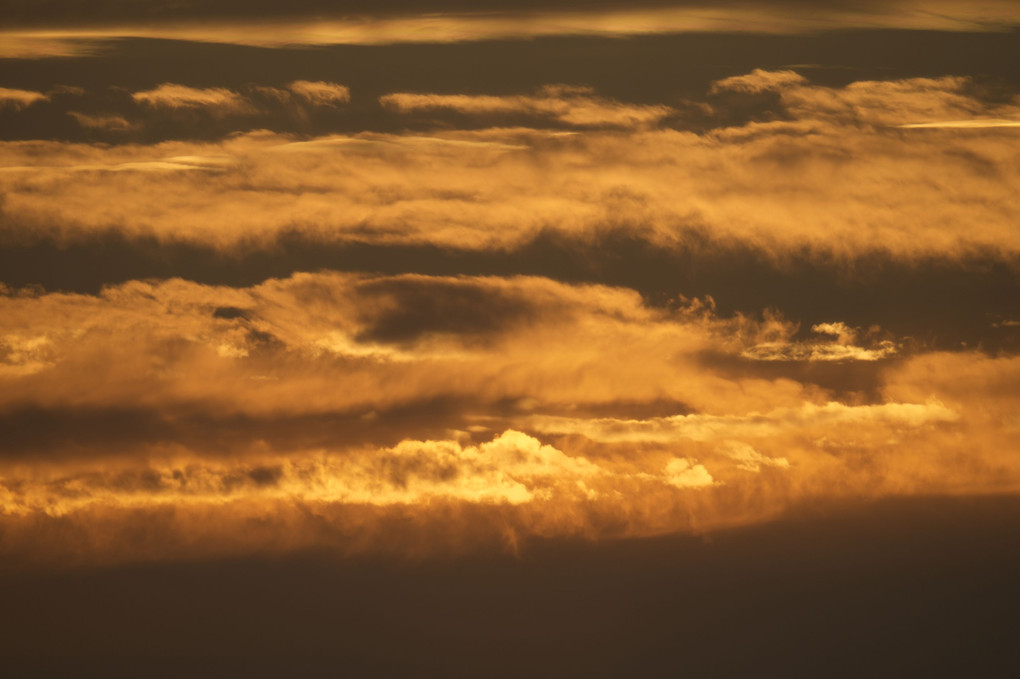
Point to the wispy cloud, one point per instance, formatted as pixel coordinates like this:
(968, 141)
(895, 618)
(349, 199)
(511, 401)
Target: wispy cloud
(113, 123)
(320, 93)
(19, 99)
(973, 124)
(948, 15)
(758, 81)
(578, 106)
(173, 96)
(805, 182)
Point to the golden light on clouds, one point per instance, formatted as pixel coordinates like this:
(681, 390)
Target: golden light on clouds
(376, 286)
(456, 27)
(293, 380)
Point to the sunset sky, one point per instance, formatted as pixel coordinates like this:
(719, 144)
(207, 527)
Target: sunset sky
(509, 338)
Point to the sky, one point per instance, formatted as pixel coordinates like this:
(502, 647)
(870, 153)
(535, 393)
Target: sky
(603, 337)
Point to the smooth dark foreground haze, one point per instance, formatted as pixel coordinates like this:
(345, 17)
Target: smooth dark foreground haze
(923, 587)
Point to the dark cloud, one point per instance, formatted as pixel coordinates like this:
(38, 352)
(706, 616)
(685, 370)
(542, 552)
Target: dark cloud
(403, 310)
(853, 381)
(229, 313)
(94, 432)
(950, 302)
(926, 585)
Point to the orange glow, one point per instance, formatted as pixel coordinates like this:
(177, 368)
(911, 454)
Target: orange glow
(257, 310)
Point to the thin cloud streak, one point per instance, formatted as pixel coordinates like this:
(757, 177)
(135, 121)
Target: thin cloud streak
(976, 124)
(451, 28)
(571, 105)
(173, 96)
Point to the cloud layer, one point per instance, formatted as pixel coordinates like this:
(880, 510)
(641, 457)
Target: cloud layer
(69, 32)
(280, 304)
(870, 167)
(514, 407)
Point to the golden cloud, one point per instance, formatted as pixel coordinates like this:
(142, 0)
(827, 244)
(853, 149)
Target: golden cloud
(820, 182)
(758, 81)
(174, 96)
(320, 93)
(323, 409)
(944, 15)
(571, 105)
(19, 99)
(700, 427)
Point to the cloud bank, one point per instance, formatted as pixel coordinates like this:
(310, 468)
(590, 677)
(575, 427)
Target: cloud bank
(516, 407)
(313, 315)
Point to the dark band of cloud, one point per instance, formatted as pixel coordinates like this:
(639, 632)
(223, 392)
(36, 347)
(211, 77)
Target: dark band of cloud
(952, 302)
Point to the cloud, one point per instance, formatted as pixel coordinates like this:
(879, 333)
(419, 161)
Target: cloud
(758, 81)
(750, 459)
(19, 99)
(844, 348)
(324, 406)
(164, 164)
(300, 407)
(175, 97)
(24, 354)
(683, 473)
(512, 468)
(320, 93)
(910, 101)
(396, 338)
(112, 123)
(800, 185)
(699, 427)
(373, 27)
(533, 488)
(571, 105)
(974, 124)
